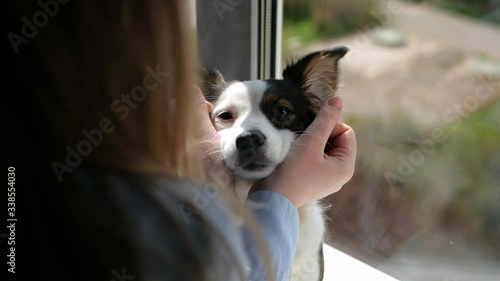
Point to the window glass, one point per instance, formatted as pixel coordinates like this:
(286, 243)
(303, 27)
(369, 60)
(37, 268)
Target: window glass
(421, 88)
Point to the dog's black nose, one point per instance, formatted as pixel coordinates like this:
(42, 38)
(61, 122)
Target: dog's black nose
(250, 139)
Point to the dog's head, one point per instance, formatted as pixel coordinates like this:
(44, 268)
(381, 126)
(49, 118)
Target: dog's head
(258, 120)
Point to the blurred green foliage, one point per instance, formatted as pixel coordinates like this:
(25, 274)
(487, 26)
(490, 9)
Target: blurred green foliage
(487, 10)
(456, 187)
(309, 21)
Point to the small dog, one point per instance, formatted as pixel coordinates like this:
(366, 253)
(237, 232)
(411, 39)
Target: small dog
(258, 121)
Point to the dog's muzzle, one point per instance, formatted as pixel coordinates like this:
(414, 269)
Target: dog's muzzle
(250, 150)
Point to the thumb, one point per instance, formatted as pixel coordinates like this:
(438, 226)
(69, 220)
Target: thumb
(202, 112)
(200, 101)
(320, 130)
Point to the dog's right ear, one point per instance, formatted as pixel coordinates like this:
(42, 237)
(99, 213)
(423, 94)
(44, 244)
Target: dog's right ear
(316, 74)
(210, 80)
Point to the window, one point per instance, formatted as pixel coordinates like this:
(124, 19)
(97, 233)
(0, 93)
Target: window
(421, 88)
(240, 38)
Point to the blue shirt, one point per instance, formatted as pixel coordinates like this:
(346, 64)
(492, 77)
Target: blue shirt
(276, 218)
(279, 222)
(109, 194)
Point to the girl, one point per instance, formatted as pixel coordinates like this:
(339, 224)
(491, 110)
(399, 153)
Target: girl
(121, 182)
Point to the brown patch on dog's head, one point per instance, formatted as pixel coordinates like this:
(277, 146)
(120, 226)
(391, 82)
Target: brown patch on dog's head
(317, 75)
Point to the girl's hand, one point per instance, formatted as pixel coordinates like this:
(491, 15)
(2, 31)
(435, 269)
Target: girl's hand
(209, 140)
(311, 172)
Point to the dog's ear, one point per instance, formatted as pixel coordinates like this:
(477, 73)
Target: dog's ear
(210, 79)
(316, 74)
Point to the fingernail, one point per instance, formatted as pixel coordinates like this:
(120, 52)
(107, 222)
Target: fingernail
(334, 102)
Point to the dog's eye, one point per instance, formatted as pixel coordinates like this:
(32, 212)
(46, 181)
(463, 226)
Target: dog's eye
(284, 111)
(281, 111)
(225, 115)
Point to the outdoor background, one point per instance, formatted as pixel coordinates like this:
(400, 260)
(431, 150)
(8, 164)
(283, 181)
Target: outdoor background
(421, 88)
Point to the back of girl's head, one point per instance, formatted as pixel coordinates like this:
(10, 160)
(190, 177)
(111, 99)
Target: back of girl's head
(112, 68)
(109, 83)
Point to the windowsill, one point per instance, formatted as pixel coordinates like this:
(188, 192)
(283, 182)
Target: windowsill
(342, 267)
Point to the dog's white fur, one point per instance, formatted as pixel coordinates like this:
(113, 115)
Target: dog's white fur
(242, 99)
(315, 77)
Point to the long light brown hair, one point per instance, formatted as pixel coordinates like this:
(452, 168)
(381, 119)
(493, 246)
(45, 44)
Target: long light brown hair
(96, 56)
(83, 68)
